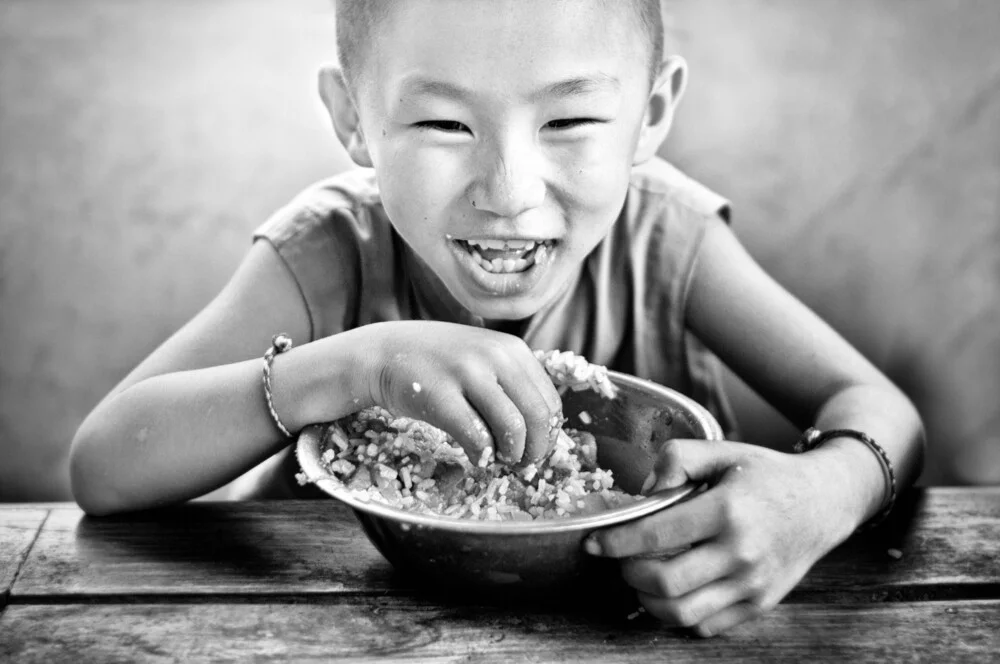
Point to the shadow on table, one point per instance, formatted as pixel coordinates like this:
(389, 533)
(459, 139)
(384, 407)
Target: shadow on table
(225, 547)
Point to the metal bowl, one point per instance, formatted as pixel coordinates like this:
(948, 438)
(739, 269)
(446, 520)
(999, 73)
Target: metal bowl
(533, 554)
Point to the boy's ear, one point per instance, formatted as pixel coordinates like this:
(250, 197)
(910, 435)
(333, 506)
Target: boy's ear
(343, 114)
(663, 99)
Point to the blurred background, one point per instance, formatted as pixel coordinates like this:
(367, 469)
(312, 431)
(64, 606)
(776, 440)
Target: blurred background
(142, 141)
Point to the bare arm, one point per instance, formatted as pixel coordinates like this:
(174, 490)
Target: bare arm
(192, 416)
(804, 368)
(767, 516)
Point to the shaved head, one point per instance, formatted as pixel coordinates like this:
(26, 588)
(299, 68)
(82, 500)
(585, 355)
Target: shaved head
(358, 20)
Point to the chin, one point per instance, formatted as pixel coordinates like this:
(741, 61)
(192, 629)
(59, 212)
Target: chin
(503, 311)
(502, 308)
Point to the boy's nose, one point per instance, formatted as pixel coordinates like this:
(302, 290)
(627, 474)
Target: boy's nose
(509, 183)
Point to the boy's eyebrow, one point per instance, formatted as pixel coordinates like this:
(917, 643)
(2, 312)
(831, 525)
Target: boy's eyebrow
(570, 87)
(579, 85)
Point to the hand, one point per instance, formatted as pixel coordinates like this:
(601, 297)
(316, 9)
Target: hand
(765, 519)
(485, 388)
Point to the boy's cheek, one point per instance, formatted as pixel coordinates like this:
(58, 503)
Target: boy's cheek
(415, 184)
(595, 193)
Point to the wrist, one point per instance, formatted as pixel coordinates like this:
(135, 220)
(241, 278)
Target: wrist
(319, 381)
(855, 479)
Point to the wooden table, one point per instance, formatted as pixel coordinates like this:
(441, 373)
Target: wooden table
(299, 581)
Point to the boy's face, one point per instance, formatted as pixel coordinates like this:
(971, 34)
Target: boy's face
(502, 134)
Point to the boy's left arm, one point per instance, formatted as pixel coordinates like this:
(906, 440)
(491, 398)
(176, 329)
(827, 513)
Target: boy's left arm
(768, 516)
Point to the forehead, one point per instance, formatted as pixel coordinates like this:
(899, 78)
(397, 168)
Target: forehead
(532, 48)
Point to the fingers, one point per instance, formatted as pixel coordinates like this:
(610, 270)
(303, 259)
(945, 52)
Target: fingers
(529, 386)
(520, 417)
(534, 402)
(694, 608)
(448, 409)
(728, 618)
(540, 379)
(681, 459)
(681, 574)
(680, 525)
(498, 407)
(504, 419)
(485, 388)
(668, 468)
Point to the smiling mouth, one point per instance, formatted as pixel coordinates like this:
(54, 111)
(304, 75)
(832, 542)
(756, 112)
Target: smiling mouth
(506, 256)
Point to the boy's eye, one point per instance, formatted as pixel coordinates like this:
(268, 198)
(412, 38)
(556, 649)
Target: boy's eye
(570, 123)
(449, 126)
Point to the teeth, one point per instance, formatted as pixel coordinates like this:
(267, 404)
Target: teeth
(504, 245)
(502, 265)
(508, 265)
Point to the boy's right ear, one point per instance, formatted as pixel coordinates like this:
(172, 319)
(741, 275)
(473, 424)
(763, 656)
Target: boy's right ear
(343, 114)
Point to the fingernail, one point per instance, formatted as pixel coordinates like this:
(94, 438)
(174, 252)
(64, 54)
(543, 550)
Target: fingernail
(591, 546)
(648, 484)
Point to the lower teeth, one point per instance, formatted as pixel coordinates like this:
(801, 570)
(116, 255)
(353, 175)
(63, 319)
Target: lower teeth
(507, 265)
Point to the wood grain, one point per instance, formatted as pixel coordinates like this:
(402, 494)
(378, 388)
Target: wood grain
(947, 538)
(394, 629)
(18, 528)
(205, 548)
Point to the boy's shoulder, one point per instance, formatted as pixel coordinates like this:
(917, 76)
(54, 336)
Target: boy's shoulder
(658, 181)
(348, 203)
(352, 189)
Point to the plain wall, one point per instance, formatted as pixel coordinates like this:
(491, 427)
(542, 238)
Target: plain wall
(141, 142)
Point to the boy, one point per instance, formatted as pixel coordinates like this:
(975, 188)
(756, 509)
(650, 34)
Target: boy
(511, 199)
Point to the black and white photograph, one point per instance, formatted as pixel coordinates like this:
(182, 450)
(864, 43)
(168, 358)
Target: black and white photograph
(499, 331)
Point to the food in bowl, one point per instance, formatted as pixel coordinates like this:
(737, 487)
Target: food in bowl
(412, 465)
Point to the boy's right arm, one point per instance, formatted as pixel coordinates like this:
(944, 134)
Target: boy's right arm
(193, 415)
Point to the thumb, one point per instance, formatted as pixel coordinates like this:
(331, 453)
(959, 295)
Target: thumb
(681, 460)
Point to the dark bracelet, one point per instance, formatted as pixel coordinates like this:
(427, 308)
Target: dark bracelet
(279, 344)
(813, 438)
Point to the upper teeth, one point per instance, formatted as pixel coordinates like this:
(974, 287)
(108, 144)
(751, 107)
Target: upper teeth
(504, 245)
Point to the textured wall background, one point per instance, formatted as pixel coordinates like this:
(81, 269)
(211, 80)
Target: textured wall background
(142, 141)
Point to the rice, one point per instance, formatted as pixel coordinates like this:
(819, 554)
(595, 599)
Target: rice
(569, 370)
(418, 467)
(412, 465)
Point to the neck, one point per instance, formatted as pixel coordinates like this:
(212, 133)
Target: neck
(514, 327)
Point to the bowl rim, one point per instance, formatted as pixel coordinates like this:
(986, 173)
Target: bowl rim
(308, 455)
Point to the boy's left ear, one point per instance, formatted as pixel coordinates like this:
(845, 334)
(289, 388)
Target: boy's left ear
(663, 99)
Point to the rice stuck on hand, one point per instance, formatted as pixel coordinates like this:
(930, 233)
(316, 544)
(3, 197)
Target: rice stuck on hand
(409, 464)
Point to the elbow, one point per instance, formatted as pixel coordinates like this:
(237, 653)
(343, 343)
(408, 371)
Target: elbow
(910, 425)
(920, 441)
(91, 479)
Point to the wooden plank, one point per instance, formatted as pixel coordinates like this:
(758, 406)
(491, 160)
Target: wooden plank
(946, 538)
(198, 548)
(393, 629)
(18, 528)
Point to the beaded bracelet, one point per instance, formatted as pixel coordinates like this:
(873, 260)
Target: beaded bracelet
(813, 438)
(279, 344)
